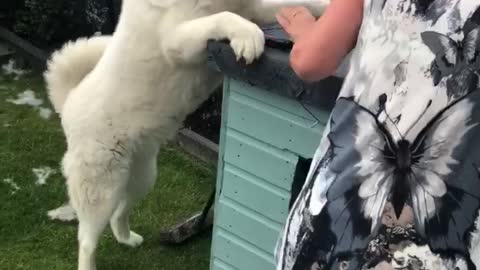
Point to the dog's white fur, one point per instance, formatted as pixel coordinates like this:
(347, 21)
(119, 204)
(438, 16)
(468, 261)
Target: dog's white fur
(120, 97)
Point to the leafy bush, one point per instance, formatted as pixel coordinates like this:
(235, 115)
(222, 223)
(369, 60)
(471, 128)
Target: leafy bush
(51, 21)
(8, 9)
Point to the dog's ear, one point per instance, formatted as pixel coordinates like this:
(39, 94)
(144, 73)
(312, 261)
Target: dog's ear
(163, 3)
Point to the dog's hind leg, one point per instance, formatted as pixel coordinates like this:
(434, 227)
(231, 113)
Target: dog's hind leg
(90, 228)
(96, 184)
(120, 225)
(143, 174)
(119, 222)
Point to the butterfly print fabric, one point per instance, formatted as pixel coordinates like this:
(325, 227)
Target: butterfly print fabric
(455, 59)
(395, 181)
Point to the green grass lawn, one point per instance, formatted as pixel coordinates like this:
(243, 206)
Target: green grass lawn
(29, 240)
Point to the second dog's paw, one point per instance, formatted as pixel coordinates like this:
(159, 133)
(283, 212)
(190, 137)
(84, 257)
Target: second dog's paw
(134, 240)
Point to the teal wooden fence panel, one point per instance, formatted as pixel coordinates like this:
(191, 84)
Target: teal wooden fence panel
(262, 137)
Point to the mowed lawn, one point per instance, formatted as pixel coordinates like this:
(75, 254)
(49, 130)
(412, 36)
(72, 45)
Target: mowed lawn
(29, 240)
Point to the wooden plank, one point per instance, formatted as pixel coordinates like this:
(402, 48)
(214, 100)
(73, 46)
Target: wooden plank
(255, 193)
(220, 265)
(198, 146)
(248, 225)
(279, 102)
(36, 56)
(279, 128)
(241, 254)
(262, 160)
(220, 167)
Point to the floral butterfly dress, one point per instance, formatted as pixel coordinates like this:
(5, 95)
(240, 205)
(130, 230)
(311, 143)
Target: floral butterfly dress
(395, 182)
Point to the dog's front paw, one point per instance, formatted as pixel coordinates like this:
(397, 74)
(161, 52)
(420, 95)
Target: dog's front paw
(248, 48)
(246, 38)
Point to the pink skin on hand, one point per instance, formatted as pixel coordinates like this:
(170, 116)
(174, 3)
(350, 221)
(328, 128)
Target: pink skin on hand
(321, 45)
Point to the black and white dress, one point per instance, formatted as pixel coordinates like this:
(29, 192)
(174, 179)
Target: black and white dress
(395, 182)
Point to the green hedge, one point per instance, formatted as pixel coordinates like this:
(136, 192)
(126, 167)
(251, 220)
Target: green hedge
(47, 23)
(8, 9)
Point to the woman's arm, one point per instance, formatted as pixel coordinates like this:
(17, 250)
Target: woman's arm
(320, 46)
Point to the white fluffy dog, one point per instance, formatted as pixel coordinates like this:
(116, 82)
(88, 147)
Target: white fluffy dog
(120, 97)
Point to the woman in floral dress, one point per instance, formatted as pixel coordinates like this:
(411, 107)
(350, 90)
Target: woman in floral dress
(395, 182)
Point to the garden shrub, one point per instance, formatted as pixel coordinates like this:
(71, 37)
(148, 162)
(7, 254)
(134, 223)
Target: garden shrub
(47, 23)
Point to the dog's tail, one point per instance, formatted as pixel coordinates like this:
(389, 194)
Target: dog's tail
(69, 65)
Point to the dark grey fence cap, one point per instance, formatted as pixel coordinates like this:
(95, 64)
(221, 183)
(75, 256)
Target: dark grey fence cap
(272, 73)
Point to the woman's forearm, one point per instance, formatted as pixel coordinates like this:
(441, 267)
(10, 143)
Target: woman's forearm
(318, 52)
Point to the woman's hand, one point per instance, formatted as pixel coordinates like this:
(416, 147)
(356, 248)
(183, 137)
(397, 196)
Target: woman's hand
(296, 21)
(321, 45)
